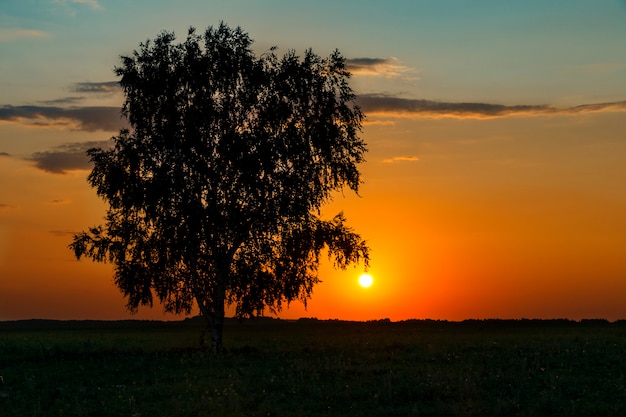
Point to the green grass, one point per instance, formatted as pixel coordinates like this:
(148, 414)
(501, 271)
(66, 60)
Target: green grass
(314, 368)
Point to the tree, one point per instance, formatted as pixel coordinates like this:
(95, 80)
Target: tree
(214, 192)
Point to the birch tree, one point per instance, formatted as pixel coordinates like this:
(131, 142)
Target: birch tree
(214, 191)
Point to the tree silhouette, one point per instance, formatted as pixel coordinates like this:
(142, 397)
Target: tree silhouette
(214, 193)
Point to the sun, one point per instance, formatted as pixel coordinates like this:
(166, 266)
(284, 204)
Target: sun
(365, 280)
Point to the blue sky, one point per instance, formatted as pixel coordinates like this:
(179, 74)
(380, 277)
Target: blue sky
(508, 52)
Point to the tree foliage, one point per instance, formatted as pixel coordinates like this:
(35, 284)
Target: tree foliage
(214, 193)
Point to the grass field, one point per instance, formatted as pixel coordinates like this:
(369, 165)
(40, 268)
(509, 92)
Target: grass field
(314, 368)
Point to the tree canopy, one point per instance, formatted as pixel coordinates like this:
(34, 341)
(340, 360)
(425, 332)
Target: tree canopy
(214, 192)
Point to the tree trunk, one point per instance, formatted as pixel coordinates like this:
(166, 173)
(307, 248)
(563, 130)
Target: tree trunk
(213, 311)
(214, 322)
(217, 321)
(217, 329)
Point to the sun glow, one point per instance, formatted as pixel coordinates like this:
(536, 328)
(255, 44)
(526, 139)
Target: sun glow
(365, 280)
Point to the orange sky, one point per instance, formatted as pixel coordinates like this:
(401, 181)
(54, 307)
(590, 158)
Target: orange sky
(505, 218)
(494, 181)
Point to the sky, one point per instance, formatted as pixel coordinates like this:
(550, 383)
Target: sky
(494, 185)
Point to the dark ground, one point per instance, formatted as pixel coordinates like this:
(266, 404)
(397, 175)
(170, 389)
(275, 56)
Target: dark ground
(314, 368)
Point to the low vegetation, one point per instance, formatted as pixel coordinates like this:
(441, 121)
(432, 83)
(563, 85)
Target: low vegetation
(314, 368)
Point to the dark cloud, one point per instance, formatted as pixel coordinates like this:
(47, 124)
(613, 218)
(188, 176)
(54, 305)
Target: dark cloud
(585, 108)
(88, 119)
(5, 154)
(402, 107)
(380, 67)
(377, 103)
(101, 87)
(62, 233)
(67, 157)
(99, 118)
(64, 100)
(357, 63)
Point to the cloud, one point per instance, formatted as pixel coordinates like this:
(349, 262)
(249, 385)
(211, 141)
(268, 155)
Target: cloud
(64, 100)
(4, 206)
(5, 154)
(62, 233)
(401, 159)
(378, 122)
(390, 106)
(587, 108)
(67, 157)
(93, 3)
(104, 87)
(71, 9)
(12, 34)
(380, 67)
(403, 107)
(100, 87)
(598, 68)
(88, 119)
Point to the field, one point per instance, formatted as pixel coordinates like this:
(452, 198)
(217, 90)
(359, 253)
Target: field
(314, 368)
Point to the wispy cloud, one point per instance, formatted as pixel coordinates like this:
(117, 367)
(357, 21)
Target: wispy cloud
(88, 119)
(597, 107)
(376, 106)
(397, 107)
(13, 34)
(67, 157)
(401, 159)
(63, 100)
(70, 6)
(381, 67)
(598, 68)
(93, 3)
(62, 233)
(99, 87)
(378, 122)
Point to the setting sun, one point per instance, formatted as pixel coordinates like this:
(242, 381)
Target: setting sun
(366, 280)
